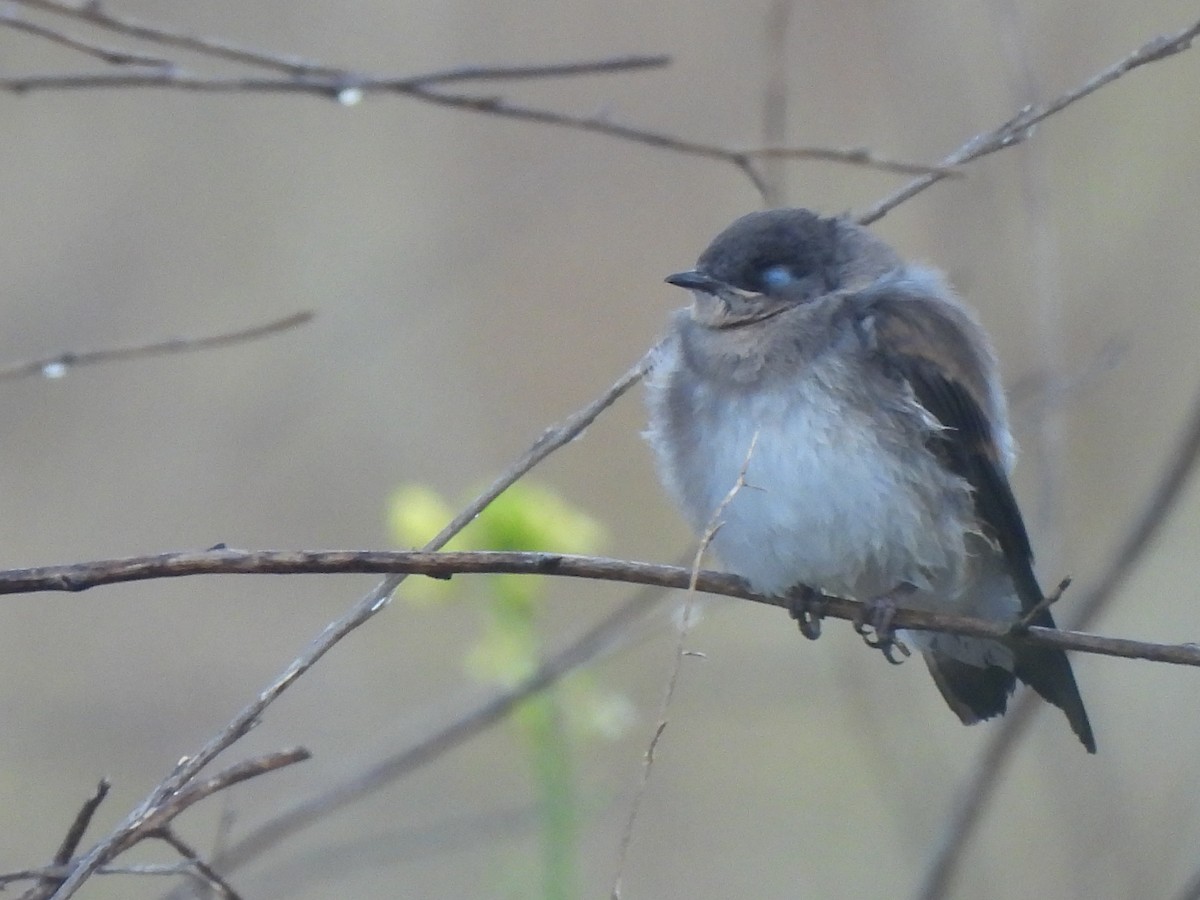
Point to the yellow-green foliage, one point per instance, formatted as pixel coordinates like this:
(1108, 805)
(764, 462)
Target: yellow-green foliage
(525, 517)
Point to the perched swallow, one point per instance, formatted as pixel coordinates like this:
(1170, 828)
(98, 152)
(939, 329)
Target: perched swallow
(862, 400)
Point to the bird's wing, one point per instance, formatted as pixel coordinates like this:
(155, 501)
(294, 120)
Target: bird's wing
(938, 350)
(926, 347)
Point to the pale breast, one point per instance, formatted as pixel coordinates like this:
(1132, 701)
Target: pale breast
(837, 497)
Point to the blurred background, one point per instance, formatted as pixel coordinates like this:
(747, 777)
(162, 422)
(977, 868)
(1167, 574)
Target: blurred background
(476, 279)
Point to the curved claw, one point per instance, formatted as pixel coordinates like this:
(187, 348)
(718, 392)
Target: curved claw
(874, 623)
(807, 607)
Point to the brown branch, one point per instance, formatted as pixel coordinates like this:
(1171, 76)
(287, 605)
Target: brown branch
(1020, 127)
(57, 366)
(82, 576)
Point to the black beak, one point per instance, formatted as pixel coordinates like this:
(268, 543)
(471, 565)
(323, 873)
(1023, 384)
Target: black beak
(694, 280)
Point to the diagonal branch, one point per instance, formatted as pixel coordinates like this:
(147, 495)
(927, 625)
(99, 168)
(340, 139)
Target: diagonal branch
(1020, 127)
(94, 13)
(9, 19)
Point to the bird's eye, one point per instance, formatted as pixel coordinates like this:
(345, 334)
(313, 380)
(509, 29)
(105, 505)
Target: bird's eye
(776, 277)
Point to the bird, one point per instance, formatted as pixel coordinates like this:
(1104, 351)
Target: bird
(858, 404)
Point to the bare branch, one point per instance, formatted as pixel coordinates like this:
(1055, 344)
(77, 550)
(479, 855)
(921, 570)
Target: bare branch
(155, 815)
(51, 875)
(302, 76)
(1020, 127)
(298, 76)
(9, 19)
(419, 86)
(854, 156)
(94, 14)
(199, 868)
(58, 873)
(57, 366)
(321, 85)
(82, 820)
(81, 576)
(323, 81)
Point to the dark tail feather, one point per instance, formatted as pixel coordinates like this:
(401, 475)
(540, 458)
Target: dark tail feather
(1047, 671)
(974, 693)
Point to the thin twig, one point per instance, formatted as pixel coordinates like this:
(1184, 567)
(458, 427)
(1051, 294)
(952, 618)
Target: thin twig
(82, 820)
(318, 84)
(9, 19)
(685, 627)
(202, 870)
(58, 873)
(59, 365)
(299, 76)
(1020, 127)
(963, 820)
(862, 156)
(160, 809)
(421, 87)
(94, 14)
(156, 814)
(48, 881)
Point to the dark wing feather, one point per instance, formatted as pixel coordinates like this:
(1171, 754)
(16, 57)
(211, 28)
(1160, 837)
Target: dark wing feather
(968, 449)
(927, 346)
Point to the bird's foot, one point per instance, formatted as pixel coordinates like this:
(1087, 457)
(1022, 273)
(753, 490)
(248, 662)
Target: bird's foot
(874, 623)
(807, 607)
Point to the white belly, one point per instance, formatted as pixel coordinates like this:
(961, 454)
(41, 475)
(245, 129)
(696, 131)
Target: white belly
(831, 500)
